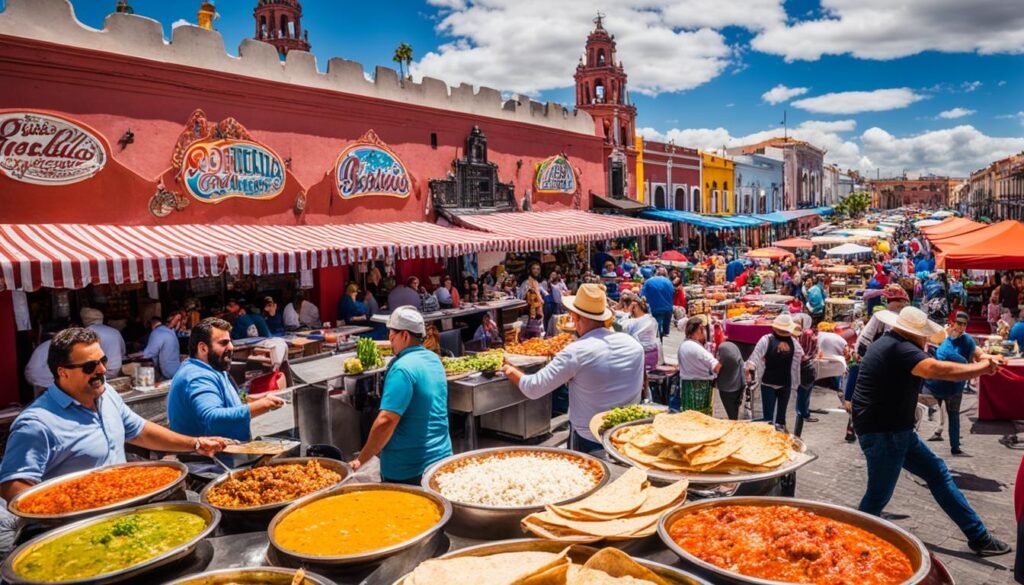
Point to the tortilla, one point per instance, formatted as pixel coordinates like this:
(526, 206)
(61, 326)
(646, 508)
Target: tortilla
(592, 577)
(714, 452)
(616, 563)
(689, 428)
(620, 497)
(501, 569)
(660, 498)
(626, 526)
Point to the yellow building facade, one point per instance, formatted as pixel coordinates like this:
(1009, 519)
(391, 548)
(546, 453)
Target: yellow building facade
(717, 176)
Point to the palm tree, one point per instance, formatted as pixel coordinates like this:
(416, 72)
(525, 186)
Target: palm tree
(403, 56)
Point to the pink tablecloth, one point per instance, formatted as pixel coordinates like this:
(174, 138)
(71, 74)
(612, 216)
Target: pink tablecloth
(1001, 395)
(748, 332)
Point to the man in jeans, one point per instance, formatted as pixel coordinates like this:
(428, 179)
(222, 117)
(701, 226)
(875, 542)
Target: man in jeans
(884, 402)
(659, 293)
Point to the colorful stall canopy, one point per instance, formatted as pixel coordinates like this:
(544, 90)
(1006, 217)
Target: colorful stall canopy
(694, 219)
(795, 243)
(539, 230)
(847, 250)
(76, 255)
(768, 253)
(674, 256)
(953, 226)
(996, 247)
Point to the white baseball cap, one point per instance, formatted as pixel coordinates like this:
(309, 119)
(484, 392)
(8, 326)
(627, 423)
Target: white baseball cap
(407, 318)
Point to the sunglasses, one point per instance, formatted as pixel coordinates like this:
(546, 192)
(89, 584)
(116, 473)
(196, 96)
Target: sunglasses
(89, 367)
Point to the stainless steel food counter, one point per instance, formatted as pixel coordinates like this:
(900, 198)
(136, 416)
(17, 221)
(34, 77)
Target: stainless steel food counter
(500, 406)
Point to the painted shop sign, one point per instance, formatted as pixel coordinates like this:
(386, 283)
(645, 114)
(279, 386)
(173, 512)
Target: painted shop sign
(47, 150)
(222, 169)
(370, 168)
(216, 162)
(554, 176)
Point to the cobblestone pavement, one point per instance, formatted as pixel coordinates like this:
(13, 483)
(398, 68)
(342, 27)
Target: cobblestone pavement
(986, 478)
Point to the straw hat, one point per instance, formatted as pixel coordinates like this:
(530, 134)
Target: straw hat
(912, 321)
(590, 302)
(785, 326)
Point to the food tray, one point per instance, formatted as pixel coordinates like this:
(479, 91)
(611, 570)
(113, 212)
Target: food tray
(211, 516)
(909, 544)
(500, 522)
(803, 456)
(262, 575)
(578, 553)
(523, 361)
(156, 495)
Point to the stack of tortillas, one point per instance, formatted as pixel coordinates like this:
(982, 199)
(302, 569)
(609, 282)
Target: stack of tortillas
(691, 441)
(625, 509)
(606, 567)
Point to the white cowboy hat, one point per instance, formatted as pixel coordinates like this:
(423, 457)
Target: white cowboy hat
(785, 326)
(912, 321)
(590, 302)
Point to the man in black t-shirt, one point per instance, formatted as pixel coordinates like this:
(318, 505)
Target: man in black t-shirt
(884, 403)
(1009, 296)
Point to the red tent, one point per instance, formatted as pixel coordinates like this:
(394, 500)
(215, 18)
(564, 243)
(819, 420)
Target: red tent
(769, 253)
(794, 243)
(997, 247)
(673, 256)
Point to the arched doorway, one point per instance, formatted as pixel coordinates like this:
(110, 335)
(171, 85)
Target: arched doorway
(659, 197)
(696, 200)
(680, 198)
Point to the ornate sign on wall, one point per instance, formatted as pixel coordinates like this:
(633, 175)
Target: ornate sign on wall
(216, 163)
(48, 150)
(368, 167)
(554, 176)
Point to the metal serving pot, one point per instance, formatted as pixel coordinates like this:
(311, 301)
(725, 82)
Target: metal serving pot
(501, 522)
(259, 575)
(160, 494)
(333, 562)
(210, 515)
(578, 553)
(907, 543)
(258, 517)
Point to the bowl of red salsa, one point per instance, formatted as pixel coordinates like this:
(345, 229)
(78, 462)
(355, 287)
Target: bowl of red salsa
(772, 540)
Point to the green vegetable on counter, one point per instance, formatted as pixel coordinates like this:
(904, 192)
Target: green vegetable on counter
(482, 362)
(624, 414)
(368, 353)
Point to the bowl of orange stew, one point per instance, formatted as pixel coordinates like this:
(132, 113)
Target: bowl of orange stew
(96, 491)
(772, 541)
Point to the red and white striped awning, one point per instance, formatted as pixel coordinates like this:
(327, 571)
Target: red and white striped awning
(539, 230)
(74, 255)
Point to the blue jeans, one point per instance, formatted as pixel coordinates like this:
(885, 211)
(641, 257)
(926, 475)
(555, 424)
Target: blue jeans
(888, 453)
(585, 445)
(772, 397)
(803, 401)
(664, 319)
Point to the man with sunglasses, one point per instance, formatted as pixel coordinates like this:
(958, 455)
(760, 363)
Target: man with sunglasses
(80, 422)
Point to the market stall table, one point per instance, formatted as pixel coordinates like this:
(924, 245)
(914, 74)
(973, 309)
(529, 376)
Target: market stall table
(503, 407)
(747, 331)
(1001, 395)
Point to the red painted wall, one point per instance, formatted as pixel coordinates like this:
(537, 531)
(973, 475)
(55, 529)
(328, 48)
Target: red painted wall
(9, 374)
(114, 93)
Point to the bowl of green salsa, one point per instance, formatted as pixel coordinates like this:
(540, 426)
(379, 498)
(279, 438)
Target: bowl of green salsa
(112, 547)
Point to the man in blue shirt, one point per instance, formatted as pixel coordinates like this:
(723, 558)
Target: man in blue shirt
(80, 422)
(733, 269)
(245, 324)
(411, 430)
(163, 349)
(815, 299)
(659, 293)
(1017, 334)
(203, 399)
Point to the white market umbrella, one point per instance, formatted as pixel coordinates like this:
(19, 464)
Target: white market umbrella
(847, 250)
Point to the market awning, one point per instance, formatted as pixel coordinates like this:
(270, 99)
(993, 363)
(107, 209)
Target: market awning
(678, 215)
(796, 243)
(773, 217)
(997, 247)
(539, 230)
(628, 205)
(76, 255)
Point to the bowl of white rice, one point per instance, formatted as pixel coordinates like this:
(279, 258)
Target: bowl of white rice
(492, 490)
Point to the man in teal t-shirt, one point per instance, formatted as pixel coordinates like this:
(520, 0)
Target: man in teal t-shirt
(411, 430)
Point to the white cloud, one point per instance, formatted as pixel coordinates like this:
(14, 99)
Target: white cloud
(970, 86)
(1001, 83)
(668, 47)
(955, 113)
(854, 102)
(780, 93)
(954, 151)
(180, 22)
(1018, 116)
(884, 29)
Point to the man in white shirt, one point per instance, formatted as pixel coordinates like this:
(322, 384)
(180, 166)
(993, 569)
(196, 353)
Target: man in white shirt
(603, 369)
(111, 341)
(301, 313)
(698, 369)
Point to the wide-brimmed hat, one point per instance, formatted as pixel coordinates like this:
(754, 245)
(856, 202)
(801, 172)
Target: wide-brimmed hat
(589, 301)
(912, 321)
(785, 326)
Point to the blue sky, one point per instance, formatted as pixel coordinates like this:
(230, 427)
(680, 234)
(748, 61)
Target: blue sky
(699, 68)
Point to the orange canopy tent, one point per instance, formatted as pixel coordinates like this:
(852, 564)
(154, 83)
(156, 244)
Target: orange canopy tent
(795, 243)
(996, 247)
(958, 226)
(944, 225)
(768, 253)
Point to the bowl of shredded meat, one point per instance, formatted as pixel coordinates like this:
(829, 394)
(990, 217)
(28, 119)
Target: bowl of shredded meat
(254, 495)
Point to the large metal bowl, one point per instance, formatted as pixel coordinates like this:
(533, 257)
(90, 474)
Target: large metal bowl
(494, 522)
(578, 553)
(803, 456)
(907, 543)
(259, 575)
(211, 516)
(156, 495)
(333, 562)
(258, 517)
